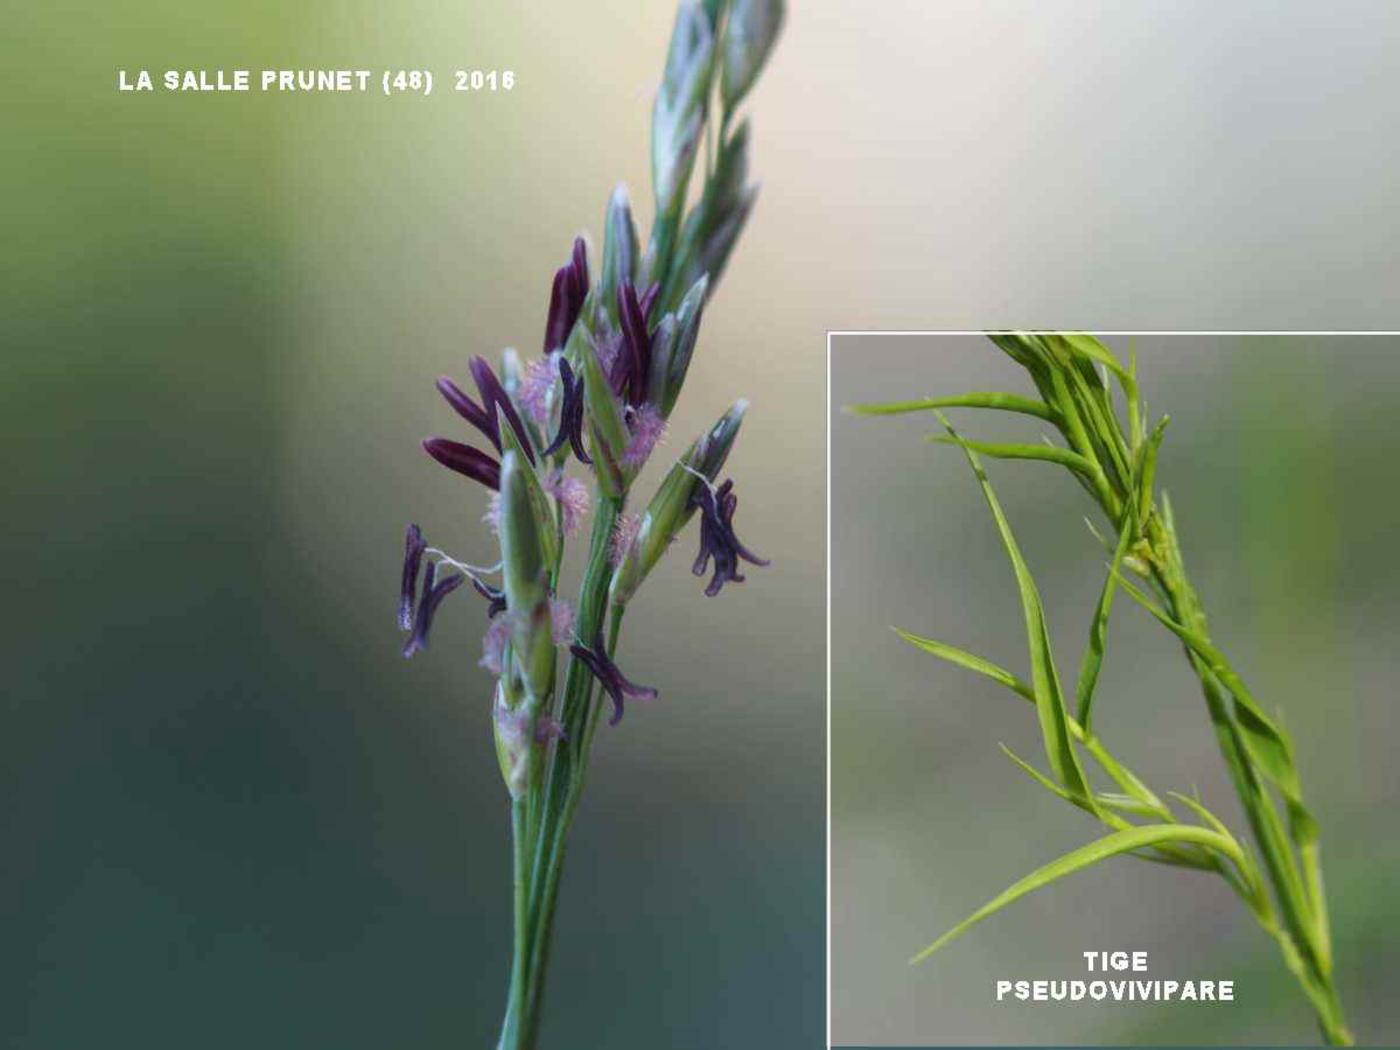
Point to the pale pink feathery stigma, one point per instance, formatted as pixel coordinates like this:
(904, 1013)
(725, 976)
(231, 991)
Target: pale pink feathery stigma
(574, 499)
(515, 724)
(647, 427)
(493, 645)
(607, 344)
(548, 728)
(624, 535)
(537, 385)
(492, 517)
(561, 620)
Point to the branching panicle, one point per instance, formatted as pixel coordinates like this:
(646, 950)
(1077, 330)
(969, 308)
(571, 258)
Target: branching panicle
(614, 358)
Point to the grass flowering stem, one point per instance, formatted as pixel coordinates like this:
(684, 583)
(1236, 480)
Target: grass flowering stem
(614, 360)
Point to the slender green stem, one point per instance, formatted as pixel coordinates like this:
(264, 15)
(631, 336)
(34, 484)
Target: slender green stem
(541, 841)
(514, 1035)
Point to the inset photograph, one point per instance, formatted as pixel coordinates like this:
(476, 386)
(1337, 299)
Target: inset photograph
(1112, 689)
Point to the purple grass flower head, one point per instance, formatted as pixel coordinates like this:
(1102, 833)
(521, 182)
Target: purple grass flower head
(717, 538)
(493, 645)
(495, 600)
(414, 546)
(574, 499)
(566, 297)
(570, 415)
(434, 591)
(561, 621)
(647, 428)
(624, 535)
(538, 385)
(613, 681)
(465, 460)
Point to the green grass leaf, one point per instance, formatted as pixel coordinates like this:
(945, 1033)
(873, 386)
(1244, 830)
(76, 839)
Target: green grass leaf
(1125, 841)
(1043, 453)
(1145, 802)
(979, 399)
(972, 662)
(1146, 469)
(1039, 777)
(1049, 699)
(1245, 876)
(1128, 804)
(1092, 662)
(1086, 345)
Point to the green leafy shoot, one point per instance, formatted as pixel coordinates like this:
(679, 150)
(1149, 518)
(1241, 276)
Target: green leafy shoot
(1116, 463)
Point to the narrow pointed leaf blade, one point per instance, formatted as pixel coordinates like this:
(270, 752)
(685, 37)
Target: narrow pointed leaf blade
(1042, 453)
(971, 661)
(1092, 662)
(1091, 348)
(1198, 808)
(1036, 775)
(978, 399)
(1049, 700)
(1124, 841)
(1127, 804)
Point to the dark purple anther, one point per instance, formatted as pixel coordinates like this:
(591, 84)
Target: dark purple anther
(648, 300)
(434, 591)
(495, 600)
(495, 399)
(579, 259)
(413, 547)
(613, 681)
(469, 410)
(717, 537)
(629, 372)
(570, 415)
(465, 460)
(566, 297)
(494, 403)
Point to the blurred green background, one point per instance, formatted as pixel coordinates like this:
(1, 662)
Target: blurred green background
(233, 815)
(1278, 461)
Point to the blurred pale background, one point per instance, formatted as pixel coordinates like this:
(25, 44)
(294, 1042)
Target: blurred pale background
(231, 814)
(1278, 460)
